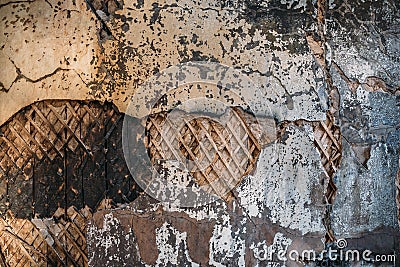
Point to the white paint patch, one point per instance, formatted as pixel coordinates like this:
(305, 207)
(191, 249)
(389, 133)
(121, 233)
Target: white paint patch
(206, 212)
(107, 238)
(170, 248)
(106, 241)
(283, 185)
(301, 4)
(227, 246)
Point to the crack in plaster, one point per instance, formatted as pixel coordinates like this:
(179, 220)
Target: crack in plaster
(370, 84)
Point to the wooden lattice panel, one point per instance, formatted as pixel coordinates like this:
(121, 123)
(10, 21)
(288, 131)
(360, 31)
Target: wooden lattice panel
(216, 154)
(328, 141)
(22, 244)
(59, 241)
(62, 153)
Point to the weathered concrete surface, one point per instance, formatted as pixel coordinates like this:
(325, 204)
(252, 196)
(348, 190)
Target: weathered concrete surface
(365, 49)
(106, 50)
(364, 41)
(286, 183)
(364, 52)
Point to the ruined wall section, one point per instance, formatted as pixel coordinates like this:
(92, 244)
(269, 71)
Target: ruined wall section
(327, 66)
(364, 57)
(58, 50)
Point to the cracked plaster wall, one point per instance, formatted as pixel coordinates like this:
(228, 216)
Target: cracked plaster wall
(52, 50)
(72, 50)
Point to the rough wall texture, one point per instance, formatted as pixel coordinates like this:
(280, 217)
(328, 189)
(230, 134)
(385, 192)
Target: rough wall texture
(327, 71)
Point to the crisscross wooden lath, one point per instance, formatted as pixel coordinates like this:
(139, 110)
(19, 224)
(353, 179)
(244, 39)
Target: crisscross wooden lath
(22, 244)
(327, 138)
(59, 241)
(54, 156)
(328, 141)
(216, 155)
(61, 153)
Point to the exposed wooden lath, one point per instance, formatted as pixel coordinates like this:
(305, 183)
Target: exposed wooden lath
(59, 241)
(327, 138)
(216, 155)
(60, 154)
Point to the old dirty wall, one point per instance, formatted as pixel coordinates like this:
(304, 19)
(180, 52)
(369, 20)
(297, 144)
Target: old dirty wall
(327, 72)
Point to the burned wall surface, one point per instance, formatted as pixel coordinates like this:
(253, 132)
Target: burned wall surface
(60, 154)
(321, 78)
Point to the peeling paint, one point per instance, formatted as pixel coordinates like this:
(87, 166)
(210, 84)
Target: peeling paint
(307, 62)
